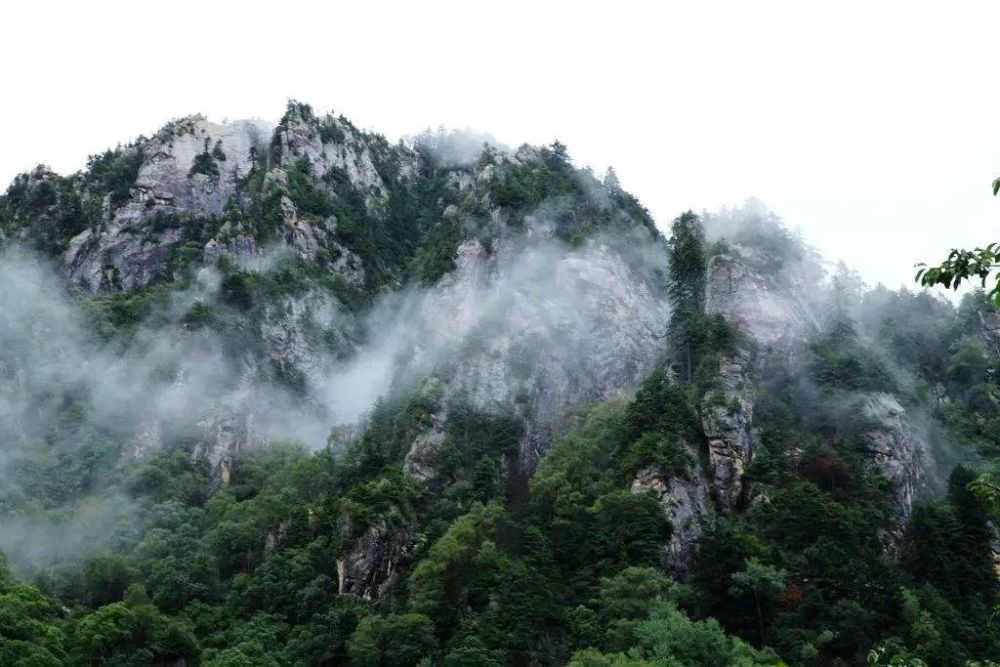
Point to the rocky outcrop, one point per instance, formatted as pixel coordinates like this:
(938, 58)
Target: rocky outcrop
(333, 146)
(899, 453)
(687, 504)
(176, 175)
(774, 308)
(370, 568)
(190, 170)
(756, 302)
(534, 329)
(727, 419)
(229, 431)
(421, 460)
(193, 169)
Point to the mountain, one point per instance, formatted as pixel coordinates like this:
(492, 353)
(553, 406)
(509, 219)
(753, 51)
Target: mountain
(295, 395)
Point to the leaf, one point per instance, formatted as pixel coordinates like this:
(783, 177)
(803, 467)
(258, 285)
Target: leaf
(996, 187)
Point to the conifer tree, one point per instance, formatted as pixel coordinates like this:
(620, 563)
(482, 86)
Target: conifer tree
(686, 289)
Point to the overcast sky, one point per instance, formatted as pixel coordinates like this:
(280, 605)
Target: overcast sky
(874, 127)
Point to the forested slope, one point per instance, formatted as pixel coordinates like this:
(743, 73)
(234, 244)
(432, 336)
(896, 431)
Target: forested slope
(297, 395)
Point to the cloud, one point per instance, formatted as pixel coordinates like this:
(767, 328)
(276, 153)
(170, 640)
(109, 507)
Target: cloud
(525, 321)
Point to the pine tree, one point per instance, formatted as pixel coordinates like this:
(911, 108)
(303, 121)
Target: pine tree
(686, 289)
(611, 182)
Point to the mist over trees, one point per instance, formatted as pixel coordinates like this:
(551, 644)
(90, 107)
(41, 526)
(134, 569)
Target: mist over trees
(794, 477)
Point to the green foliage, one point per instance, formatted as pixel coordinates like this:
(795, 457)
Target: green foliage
(206, 162)
(949, 547)
(330, 131)
(481, 564)
(114, 172)
(399, 640)
(461, 570)
(117, 315)
(437, 256)
(964, 265)
(686, 289)
(531, 181)
(30, 632)
(669, 637)
(761, 582)
(217, 152)
(46, 210)
(543, 182)
(839, 361)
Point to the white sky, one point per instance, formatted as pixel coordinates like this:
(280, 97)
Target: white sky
(872, 126)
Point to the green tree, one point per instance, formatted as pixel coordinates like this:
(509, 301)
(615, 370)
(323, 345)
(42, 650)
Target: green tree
(964, 265)
(763, 583)
(29, 632)
(686, 278)
(399, 640)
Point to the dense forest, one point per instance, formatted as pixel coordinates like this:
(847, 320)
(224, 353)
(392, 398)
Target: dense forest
(849, 529)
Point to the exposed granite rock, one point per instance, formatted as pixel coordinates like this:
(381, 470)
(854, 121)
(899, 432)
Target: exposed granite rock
(776, 312)
(128, 251)
(143, 444)
(335, 144)
(727, 421)
(169, 176)
(243, 250)
(535, 330)
(422, 458)
(899, 453)
(687, 505)
(757, 303)
(228, 432)
(313, 241)
(370, 568)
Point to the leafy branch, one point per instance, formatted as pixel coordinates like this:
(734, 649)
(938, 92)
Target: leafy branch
(963, 265)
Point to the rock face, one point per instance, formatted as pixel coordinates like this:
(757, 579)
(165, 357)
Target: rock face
(687, 504)
(190, 169)
(534, 330)
(899, 453)
(193, 169)
(728, 423)
(421, 459)
(170, 177)
(334, 146)
(756, 302)
(715, 482)
(230, 430)
(778, 316)
(370, 567)
(525, 323)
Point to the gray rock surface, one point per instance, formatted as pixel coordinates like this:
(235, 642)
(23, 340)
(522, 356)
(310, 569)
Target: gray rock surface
(128, 251)
(687, 505)
(370, 568)
(534, 331)
(899, 453)
(728, 423)
(756, 302)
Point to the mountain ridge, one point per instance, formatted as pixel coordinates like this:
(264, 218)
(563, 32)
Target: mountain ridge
(497, 367)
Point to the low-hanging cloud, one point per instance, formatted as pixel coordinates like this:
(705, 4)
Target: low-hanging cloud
(520, 319)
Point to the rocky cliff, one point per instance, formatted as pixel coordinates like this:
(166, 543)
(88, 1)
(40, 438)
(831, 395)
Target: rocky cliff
(773, 298)
(318, 268)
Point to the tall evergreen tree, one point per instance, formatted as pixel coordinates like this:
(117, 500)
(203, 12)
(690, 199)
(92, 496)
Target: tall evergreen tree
(686, 289)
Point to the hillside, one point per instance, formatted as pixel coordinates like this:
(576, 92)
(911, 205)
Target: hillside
(295, 395)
